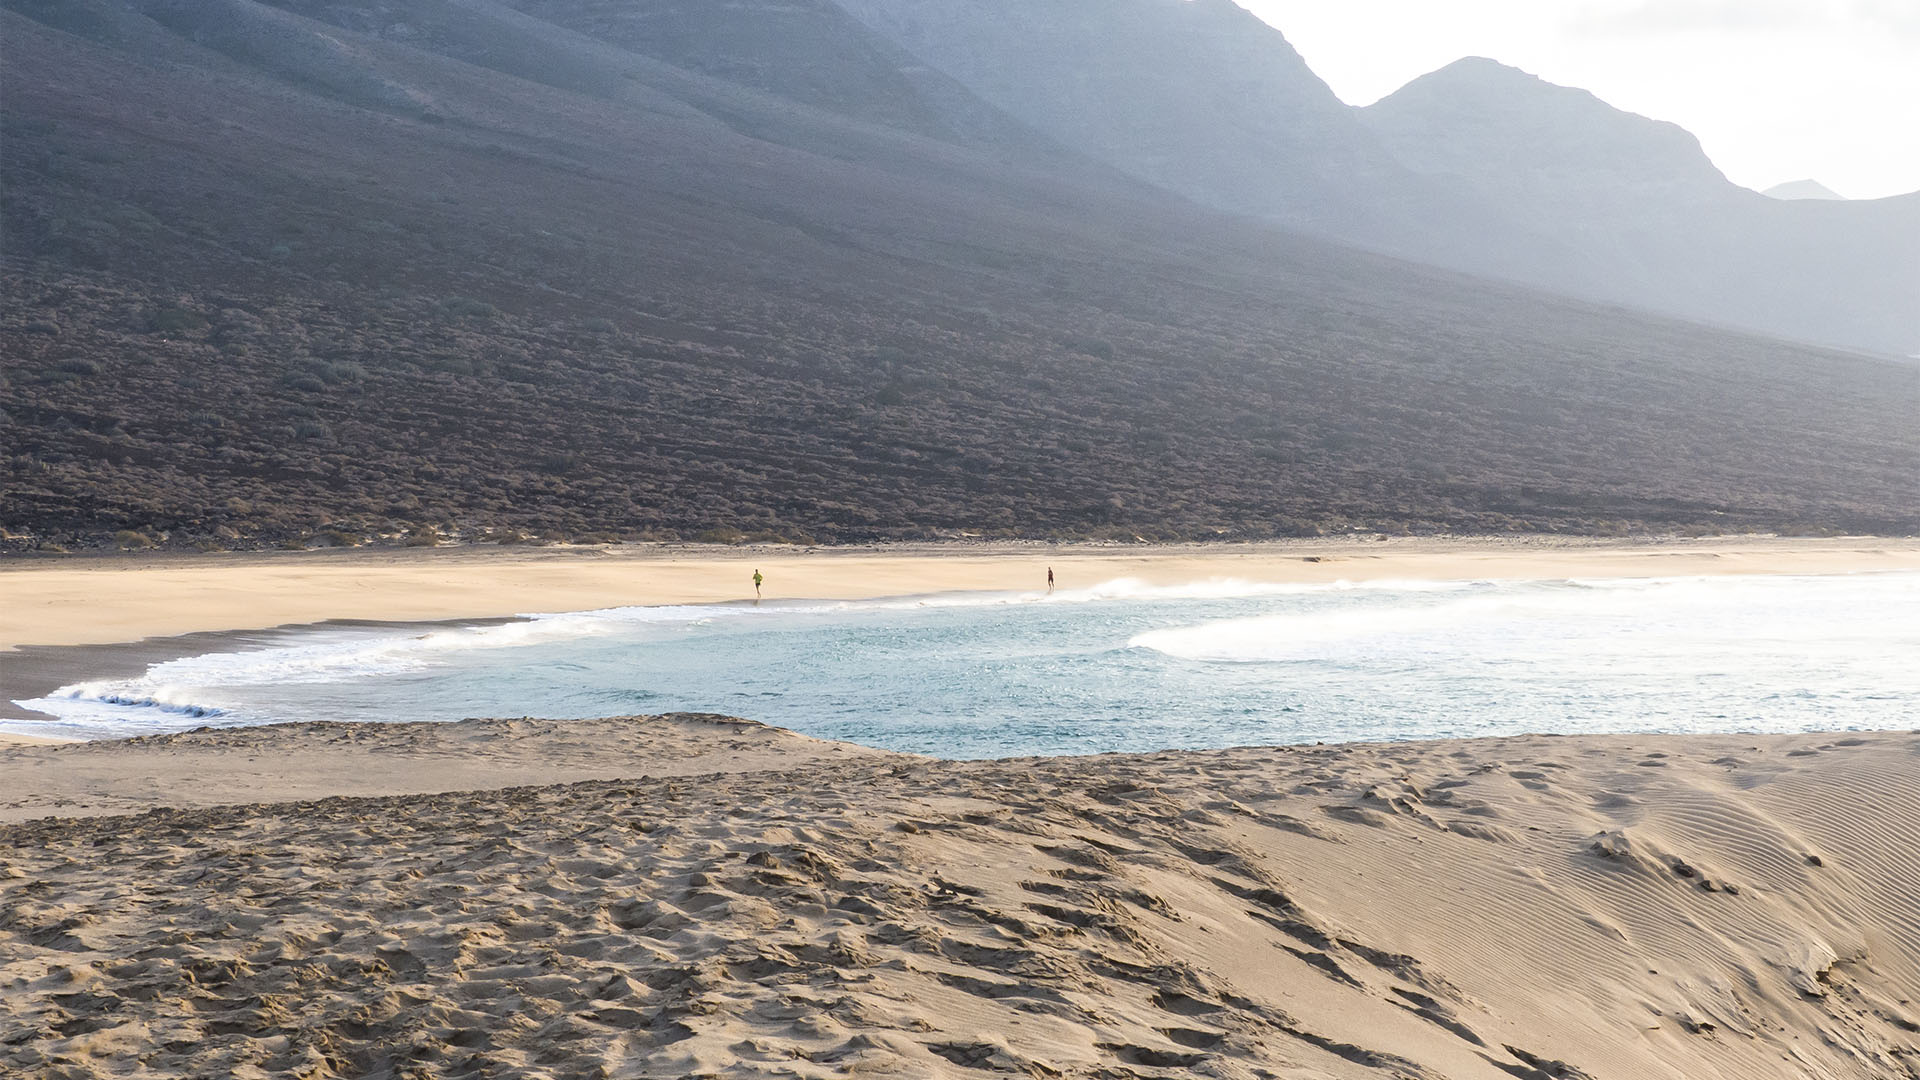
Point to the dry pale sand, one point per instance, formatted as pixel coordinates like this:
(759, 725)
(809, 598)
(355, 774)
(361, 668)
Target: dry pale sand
(1731, 907)
(98, 600)
(299, 762)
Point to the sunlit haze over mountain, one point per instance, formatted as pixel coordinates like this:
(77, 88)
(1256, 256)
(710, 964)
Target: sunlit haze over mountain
(1777, 91)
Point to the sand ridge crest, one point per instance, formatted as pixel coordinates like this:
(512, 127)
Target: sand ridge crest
(281, 763)
(1537, 907)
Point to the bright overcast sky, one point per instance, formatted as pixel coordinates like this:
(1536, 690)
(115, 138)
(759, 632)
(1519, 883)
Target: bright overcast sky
(1776, 90)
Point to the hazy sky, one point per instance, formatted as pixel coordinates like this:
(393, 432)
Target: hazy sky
(1776, 89)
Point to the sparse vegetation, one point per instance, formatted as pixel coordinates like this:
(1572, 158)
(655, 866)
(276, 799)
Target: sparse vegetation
(467, 307)
(175, 320)
(1010, 437)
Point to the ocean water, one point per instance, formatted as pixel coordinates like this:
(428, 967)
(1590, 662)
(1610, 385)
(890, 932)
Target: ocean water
(1121, 666)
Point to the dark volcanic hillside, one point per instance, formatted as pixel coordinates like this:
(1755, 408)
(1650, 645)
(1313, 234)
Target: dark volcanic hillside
(274, 270)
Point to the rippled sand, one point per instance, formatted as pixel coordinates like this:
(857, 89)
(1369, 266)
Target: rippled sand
(1600, 907)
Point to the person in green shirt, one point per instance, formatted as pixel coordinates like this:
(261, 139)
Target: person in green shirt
(757, 579)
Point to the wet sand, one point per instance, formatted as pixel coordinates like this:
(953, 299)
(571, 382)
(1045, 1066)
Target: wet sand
(34, 671)
(79, 601)
(1605, 908)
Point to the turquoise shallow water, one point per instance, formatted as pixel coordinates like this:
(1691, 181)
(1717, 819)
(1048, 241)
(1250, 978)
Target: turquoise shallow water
(1122, 666)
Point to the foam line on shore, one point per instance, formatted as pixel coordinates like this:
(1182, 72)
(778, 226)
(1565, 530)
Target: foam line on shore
(1624, 604)
(179, 686)
(1213, 620)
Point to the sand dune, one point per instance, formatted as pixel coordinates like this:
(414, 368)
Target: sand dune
(1538, 907)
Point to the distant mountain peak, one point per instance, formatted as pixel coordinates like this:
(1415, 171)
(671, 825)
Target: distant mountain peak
(1477, 82)
(1794, 190)
(1483, 67)
(1487, 120)
(1482, 75)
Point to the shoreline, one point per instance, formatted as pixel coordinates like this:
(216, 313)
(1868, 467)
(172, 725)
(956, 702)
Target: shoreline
(122, 599)
(70, 620)
(34, 671)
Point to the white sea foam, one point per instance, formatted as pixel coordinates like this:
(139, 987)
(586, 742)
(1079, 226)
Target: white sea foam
(1137, 589)
(1267, 638)
(192, 686)
(1554, 605)
(166, 699)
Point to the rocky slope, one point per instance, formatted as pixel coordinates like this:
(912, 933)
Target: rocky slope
(299, 274)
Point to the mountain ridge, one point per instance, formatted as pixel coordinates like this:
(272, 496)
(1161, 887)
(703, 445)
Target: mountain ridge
(1648, 208)
(1567, 126)
(1205, 99)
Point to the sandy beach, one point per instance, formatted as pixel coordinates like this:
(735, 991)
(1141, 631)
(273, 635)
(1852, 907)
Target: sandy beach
(1605, 908)
(80, 601)
(66, 620)
(696, 895)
